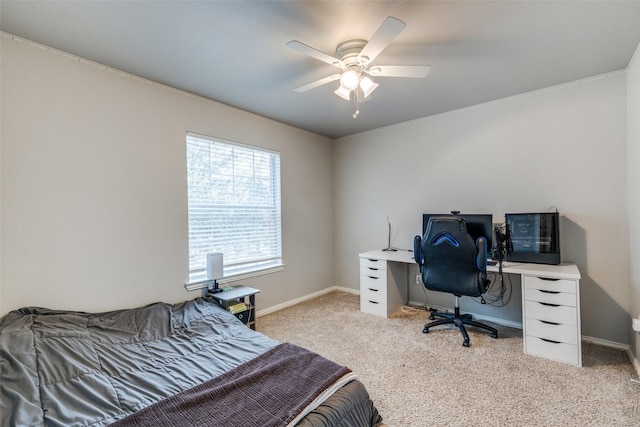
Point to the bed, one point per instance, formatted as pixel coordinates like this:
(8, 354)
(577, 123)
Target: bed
(191, 364)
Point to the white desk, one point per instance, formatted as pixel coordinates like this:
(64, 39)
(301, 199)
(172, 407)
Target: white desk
(550, 300)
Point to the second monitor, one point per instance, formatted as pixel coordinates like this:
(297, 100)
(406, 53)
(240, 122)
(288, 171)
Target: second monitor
(478, 225)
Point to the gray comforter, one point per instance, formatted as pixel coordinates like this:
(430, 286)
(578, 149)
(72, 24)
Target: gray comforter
(61, 368)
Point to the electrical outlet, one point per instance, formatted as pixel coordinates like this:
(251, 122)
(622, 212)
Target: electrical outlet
(418, 279)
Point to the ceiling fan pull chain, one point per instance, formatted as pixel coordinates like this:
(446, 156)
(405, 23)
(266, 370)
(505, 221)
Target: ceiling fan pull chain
(356, 111)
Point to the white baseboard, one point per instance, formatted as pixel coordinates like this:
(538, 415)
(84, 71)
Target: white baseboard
(606, 343)
(618, 346)
(305, 298)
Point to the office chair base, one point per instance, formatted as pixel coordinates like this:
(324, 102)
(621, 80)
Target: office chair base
(459, 321)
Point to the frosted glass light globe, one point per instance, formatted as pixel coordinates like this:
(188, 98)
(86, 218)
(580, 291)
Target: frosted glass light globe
(349, 80)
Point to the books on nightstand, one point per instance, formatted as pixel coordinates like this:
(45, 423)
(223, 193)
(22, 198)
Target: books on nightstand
(237, 308)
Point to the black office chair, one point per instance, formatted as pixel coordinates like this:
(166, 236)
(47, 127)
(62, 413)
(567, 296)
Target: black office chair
(450, 261)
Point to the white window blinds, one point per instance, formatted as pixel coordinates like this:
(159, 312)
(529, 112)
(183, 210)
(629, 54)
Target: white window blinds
(234, 206)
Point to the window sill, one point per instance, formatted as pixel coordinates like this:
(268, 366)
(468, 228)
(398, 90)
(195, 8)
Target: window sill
(193, 286)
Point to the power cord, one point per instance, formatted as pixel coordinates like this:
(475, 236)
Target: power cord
(498, 293)
(412, 310)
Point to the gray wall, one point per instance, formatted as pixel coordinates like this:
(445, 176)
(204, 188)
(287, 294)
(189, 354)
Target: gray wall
(93, 180)
(564, 147)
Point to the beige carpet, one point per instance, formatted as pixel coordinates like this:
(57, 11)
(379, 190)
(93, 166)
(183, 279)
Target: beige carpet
(418, 379)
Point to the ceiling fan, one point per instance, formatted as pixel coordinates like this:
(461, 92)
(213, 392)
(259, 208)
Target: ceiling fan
(355, 58)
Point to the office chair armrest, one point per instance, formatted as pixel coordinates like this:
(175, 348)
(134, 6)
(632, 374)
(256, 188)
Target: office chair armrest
(481, 257)
(417, 251)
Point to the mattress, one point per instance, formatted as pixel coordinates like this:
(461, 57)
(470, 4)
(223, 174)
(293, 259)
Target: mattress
(69, 368)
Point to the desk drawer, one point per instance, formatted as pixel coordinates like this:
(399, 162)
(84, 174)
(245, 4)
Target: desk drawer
(562, 352)
(551, 313)
(378, 264)
(370, 282)
(556, 332)
(557, 285)
(373, 294)
(373, 272)
(550, 297)
(372, 307)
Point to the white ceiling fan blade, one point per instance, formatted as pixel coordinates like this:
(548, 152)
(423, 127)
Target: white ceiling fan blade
(317, 83)
(388, 31)
(415, 71)
(315, 53)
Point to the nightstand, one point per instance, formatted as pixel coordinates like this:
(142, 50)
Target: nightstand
(237, 295)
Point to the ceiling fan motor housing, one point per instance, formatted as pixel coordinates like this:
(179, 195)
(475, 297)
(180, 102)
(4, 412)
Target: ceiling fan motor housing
(348, 52)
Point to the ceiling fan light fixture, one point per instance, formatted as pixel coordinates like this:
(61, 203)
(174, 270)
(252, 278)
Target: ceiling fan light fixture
(349, 80)
(343, 93)
(367, 85)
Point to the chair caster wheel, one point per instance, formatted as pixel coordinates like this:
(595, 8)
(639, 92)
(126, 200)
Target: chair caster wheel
(494, 335)
(432, 317)
(425, 331)
(465, 344)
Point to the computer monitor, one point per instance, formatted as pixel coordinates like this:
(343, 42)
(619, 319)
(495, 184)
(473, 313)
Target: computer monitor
(478, 225)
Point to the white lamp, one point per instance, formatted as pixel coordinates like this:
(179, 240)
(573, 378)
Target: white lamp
(215, 268)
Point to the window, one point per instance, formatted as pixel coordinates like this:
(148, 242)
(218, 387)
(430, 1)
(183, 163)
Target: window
(234, 206)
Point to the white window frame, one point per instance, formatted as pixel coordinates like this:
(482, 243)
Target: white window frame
(227, 183)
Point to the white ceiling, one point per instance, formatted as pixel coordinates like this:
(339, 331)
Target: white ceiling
(234, 51)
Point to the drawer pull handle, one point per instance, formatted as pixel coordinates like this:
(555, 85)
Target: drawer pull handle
(549, 323)
(548, 304)
(549, 279)
(549, 292)
(551, 341)
(372, 268)
(373, 302)
(374, 290)
(373, 260)
(371, 277)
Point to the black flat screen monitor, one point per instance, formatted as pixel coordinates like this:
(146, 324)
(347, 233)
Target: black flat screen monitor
(478, 225)
(533, 237)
